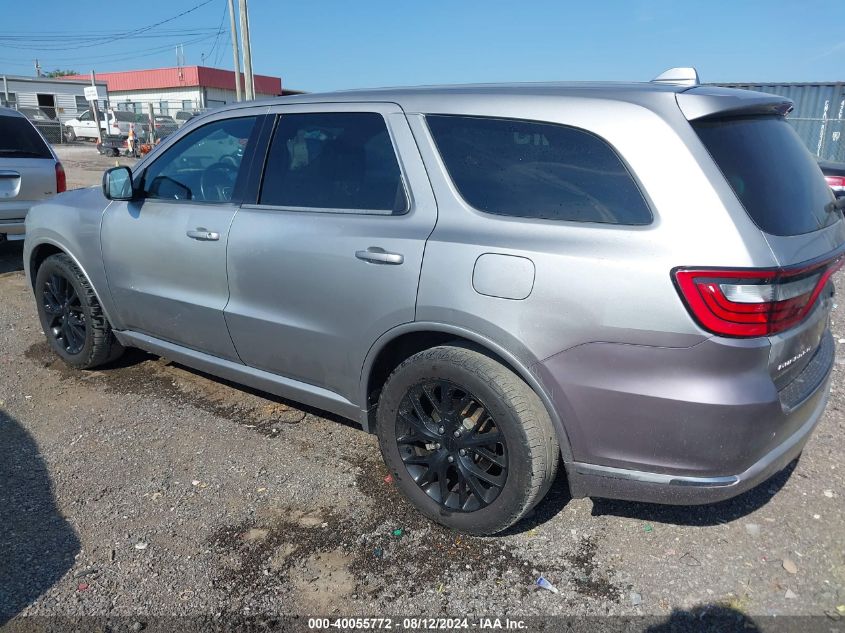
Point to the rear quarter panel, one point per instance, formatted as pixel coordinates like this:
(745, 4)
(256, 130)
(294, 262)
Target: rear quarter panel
(593, 282)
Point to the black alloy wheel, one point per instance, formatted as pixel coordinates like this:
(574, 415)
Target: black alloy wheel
(451, 446)
(71, 316)
(65, 314)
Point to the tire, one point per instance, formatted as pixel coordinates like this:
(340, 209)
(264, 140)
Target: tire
(511, 475)
(71, 316)
(70, 135)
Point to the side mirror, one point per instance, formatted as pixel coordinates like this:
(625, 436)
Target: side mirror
(117, 184)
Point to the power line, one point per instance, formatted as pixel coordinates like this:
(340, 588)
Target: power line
(125, 34)
(217, 38)
(173, 37)
(117, 57)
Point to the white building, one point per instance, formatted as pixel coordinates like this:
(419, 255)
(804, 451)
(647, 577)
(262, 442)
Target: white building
(59, 99)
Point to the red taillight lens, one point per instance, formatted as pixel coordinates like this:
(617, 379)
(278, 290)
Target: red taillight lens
(748, 302)
(837, 183)
(61, 178)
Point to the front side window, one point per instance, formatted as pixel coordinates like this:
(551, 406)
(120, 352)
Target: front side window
(202, 166)
(335, 161)
(537, 170)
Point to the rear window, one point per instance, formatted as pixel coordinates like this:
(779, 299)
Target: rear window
(537, 170)
(125, 116)
(19, 138)
(772, 173)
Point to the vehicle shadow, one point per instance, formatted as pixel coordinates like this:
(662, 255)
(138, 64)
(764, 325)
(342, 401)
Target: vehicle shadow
(701, 515)
(37, 545)
(715, 618)
(11, 256)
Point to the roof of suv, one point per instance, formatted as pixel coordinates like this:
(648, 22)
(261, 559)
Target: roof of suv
(700, 100)
(609, 90)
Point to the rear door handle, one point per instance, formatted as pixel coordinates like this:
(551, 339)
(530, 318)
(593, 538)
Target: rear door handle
(377, 255)
(203, 235)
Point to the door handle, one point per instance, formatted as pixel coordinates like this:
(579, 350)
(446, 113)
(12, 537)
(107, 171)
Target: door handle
(377, 255)
(203, 235)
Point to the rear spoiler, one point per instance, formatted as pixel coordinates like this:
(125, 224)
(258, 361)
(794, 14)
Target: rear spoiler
(702, 102)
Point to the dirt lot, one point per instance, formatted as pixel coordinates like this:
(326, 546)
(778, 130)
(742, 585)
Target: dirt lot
(148, 489)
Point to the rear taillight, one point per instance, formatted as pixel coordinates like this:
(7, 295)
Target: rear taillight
(61, 178)
(837, 183)
(753, 302)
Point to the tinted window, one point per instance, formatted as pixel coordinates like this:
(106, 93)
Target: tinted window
(19, 138)
(337, 161)
(771, 172)
(124, 116)
(202, 166)
(537, 170)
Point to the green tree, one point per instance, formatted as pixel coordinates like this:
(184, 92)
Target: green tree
(61, 73)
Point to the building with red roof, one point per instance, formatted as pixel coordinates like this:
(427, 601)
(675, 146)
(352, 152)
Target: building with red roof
(187, 88)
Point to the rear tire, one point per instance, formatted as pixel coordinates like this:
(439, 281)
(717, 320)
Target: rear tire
(71, 316)
(467, 441)
(70, 135)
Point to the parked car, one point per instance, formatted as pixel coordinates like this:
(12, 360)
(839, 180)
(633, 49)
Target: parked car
(183, 116)
(834, 174)
(493, 279)
(29, 171)
(164, 125)
(83, 126)
(49, 127)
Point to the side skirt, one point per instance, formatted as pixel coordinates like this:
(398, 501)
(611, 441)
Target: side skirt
(256, 378)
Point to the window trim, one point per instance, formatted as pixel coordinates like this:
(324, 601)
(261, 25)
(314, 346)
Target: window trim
(239, 193)
(329, 210)
(511, 217)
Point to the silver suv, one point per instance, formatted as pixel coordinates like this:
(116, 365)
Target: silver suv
(631, 279)
(29, 171)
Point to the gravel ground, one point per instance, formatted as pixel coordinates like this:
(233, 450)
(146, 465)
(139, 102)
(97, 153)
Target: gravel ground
(149, 489)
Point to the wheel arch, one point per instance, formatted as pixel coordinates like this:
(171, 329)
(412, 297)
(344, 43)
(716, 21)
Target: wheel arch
(44, 249)
(404, 341)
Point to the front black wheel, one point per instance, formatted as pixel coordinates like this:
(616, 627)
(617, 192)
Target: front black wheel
(71, 316)
(468, 442)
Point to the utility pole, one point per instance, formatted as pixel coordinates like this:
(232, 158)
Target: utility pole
(249, 85)
(95, 110)
(234, 30)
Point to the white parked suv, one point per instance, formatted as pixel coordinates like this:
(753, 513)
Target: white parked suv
(83, 126)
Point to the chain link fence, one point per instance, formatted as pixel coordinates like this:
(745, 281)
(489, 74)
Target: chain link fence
(823, 136)
(162, 117)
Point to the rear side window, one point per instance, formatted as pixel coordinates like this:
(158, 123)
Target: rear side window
(772, 173)
(537, 170)
(334, 161)
(18, 138)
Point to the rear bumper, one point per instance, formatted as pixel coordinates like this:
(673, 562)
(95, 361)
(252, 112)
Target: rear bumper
(680, 425)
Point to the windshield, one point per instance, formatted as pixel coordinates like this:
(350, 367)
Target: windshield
(772, 173)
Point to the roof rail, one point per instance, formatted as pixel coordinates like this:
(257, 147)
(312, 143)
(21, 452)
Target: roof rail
(681, 76)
